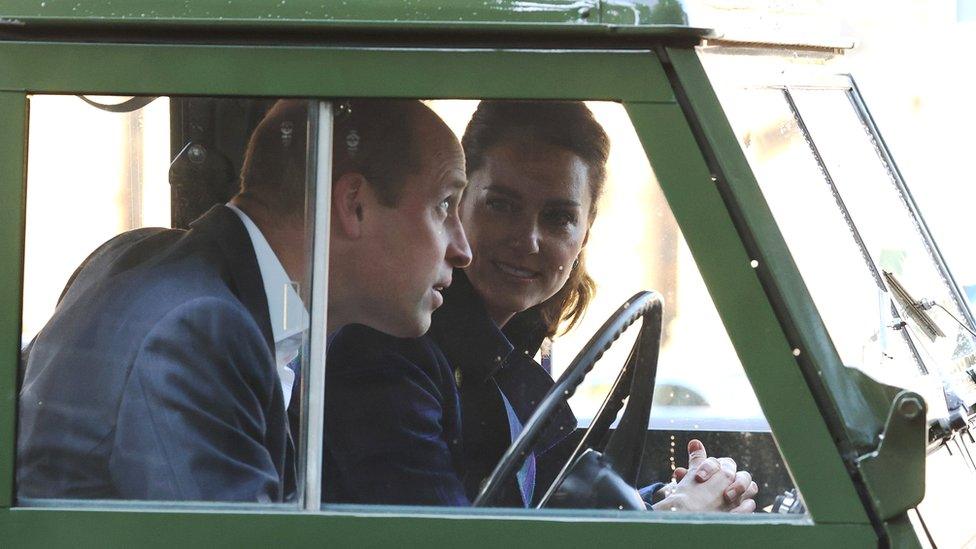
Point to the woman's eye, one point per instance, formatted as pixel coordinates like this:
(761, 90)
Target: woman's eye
(561, 218)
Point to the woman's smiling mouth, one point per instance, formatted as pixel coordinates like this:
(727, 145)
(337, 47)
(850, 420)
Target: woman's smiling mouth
(515, 272)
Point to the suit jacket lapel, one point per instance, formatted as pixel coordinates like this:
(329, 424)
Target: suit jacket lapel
(227, 230)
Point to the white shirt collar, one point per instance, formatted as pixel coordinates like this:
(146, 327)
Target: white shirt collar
(289, 317)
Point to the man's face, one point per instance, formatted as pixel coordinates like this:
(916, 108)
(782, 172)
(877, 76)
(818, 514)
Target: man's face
(415, 246)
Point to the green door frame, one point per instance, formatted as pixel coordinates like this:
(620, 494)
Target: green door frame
(636, 77)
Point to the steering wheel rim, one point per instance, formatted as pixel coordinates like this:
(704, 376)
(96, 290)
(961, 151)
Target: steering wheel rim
(645, 304)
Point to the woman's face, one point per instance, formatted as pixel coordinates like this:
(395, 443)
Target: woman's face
(526, 215)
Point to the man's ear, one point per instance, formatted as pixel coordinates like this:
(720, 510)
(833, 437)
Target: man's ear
(348, 196)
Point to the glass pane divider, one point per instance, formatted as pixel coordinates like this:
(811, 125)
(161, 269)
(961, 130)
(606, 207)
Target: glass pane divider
(319, 302)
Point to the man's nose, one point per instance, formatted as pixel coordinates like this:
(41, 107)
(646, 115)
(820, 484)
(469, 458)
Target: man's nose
(458, 249)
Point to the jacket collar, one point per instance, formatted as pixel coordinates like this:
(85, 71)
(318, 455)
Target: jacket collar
(472, 343)
(526, 331)
(466, 333)
(469, 337)
(224, 227)
(289, 317)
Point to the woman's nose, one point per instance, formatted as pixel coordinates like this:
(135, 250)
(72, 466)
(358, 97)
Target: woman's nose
(525, 237)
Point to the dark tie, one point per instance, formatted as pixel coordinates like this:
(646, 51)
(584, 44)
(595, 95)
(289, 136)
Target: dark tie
(296, 366)
(526, 474)
(294, 405)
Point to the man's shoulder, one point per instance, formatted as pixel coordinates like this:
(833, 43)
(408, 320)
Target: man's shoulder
(137, 279)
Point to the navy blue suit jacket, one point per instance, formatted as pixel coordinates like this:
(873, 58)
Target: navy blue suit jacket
(155, 379)
(398, 429)
(392, 422)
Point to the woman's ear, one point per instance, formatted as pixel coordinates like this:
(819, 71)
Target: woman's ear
(348, 193)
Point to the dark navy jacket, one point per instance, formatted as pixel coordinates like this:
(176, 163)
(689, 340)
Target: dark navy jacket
(399, 429)
(489, 363)
(392, 422)
(155, 378)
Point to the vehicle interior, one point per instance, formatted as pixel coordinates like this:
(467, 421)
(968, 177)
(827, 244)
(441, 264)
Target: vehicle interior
(786, 304)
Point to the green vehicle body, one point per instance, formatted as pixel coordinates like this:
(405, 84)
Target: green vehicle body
(826, 417)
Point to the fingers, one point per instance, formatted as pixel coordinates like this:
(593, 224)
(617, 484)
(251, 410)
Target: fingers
(740, 485)
(679, 473)
(706, 469)
(696, 453)
(728, 464)
(710, 466)
(747, 506)
(751, 492)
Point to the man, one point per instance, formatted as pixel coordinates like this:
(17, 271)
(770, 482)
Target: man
(167, 369)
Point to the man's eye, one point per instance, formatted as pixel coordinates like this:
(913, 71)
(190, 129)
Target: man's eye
(445, 205)
(499, 205)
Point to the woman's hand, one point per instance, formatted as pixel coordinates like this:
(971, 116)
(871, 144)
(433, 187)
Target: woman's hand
(708, 484)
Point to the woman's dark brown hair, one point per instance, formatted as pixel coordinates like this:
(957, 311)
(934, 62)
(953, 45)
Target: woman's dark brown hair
(565, 124)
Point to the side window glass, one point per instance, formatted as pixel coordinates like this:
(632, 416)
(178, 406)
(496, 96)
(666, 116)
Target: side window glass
(427, 421)
(866, 181)
(867, 265)
(166, 300)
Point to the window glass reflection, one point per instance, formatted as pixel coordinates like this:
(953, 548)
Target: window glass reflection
(169, 364)
(560, 209)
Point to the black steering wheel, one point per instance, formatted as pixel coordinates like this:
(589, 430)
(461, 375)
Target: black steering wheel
(602, 471)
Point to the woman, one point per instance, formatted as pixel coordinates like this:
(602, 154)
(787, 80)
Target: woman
(536, 171)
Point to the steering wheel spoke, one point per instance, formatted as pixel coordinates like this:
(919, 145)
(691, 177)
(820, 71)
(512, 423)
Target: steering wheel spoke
(625, 447)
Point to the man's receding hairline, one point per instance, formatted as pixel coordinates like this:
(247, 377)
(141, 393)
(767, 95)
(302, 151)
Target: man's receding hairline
(424, 124)
(419, 117)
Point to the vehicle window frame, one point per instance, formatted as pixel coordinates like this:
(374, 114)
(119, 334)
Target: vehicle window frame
(635, 77)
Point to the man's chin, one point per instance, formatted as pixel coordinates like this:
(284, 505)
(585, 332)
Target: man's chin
(410, 330)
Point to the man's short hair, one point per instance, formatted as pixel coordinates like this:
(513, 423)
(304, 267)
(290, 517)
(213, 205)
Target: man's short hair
(373, 137)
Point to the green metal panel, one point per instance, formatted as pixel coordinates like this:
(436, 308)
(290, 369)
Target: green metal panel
(659, 12)
(387, 12)
(13, 199)
(391, 11)
(50, 528)
(763, 348)
(310, 71)
(901, 533)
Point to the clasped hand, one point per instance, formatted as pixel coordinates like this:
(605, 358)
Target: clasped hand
(707, 485)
